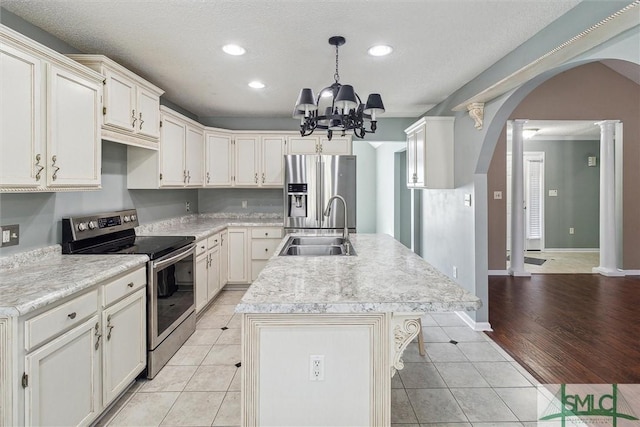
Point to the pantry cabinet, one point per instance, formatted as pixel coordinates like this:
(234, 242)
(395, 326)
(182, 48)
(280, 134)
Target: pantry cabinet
(430, 156)
(130, 104)
(319, 145)
(49, 119)
(178, 162)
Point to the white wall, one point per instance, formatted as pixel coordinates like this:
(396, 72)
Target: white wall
(385, 182)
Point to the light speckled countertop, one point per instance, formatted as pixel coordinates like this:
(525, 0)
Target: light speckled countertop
(52, 276)
(385, 276)
(201, 226)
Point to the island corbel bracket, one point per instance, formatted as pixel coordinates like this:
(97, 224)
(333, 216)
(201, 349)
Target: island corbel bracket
(404, 329)
(476, 112)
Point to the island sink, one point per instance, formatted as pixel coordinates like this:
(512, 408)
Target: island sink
(317, 246)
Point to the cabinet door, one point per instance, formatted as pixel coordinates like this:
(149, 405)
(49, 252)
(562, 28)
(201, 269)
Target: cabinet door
(213, 275)
(238, 259)
(202, 297)
(304, 145)
(411, 159)
(73, 144)
(23, 156)
(224, 259)
(246, 165)
(125, 344)
(272, 164)
(148, 113)
(63, 378)
(420, 156)
(194, 161)
(218, 160)
(337, 145)
(120, 102)
(172, 143)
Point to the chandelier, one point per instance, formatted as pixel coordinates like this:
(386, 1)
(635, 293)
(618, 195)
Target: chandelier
(346, 114)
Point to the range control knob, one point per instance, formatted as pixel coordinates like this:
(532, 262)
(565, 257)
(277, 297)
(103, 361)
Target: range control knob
(126, 218)
(133, 217)
(82, 226)
(92, 225)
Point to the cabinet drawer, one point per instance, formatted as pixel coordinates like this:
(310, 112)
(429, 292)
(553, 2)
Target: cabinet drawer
(213, 241)
(124, 286)
(263, 248)
(266, 233)
(52, 322)
(201, 247)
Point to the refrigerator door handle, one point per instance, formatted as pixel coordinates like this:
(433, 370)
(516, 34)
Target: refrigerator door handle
(319, 176)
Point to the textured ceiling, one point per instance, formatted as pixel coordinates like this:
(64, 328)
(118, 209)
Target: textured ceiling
(439, 45)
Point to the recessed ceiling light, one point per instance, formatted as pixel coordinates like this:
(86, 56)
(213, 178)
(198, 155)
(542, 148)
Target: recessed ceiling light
(256, 84)
(233, 49)
(380, 50)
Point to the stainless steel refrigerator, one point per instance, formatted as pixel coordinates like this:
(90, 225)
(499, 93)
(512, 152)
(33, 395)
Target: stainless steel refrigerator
(310, 181)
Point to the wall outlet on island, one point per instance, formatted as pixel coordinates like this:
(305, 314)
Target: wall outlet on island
(316, 368)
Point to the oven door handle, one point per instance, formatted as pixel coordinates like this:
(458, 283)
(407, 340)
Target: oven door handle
(164, 262)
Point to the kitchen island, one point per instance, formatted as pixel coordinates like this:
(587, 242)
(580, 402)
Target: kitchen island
(322, 336)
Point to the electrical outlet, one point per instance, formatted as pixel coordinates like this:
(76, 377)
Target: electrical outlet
(10, 235)
(187, 206)
(572, 230)
(244, 204)
(497, 195)
(455, 272)
(316, 368)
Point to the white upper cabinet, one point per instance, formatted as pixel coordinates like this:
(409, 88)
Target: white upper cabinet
(272, 161)
(179, 160)
(319, 145)
(130, 104)
(430, 162)
(218, 159)
(50, 119)
(246, 164)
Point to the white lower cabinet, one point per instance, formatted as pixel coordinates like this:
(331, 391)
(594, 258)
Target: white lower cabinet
(207, 271)
(79, 355)
(224, 258)
(62, 378)
(264, 241)
(238, 250)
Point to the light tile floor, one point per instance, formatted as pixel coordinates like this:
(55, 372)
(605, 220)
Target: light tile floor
(471, 383)
(562, 262)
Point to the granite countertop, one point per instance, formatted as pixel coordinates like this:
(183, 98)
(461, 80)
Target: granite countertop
(51, 276)
(385, 276)
(203, 225)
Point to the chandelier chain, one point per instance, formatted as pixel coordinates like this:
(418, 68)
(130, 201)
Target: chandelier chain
(336, 76)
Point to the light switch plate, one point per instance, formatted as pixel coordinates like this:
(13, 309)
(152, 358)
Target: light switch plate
(10, 235)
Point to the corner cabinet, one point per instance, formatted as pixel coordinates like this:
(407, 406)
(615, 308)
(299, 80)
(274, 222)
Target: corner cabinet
(178, 162)
(49, 119)
(430, 153)
(130, 106)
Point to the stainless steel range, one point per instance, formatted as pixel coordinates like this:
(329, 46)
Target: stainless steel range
(171, 275)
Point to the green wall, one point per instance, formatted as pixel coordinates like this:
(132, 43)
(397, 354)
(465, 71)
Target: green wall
(578, 185)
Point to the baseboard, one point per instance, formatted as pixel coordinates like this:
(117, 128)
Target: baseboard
(476, 326)
(609, 272)
(569, 250)
(632, 272)
(498, 273)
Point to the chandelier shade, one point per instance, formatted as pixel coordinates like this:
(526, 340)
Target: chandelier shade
(345, 114)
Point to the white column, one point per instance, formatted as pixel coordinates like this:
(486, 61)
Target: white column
(517, 200)
(608, 236)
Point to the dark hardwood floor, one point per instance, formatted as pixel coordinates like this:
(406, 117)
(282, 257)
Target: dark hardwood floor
(569, 328)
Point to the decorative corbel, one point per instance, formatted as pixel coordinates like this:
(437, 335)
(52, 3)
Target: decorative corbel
(476, 112)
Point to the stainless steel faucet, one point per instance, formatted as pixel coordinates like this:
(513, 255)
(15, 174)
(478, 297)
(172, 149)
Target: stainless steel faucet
(345, 231)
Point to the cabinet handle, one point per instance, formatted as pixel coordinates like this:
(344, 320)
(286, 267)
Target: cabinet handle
(208, 177)
(320, 147)
(133, 116)
(263, 177)
(54, 159)
(317, 147)
(184, 176)
(130, 284)
(98, 336)
(39, 166)
(188, 176)
(266, 249)
(71, 315)
(109, 327)
(266, 234)
(256, 177)
(141, 121)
